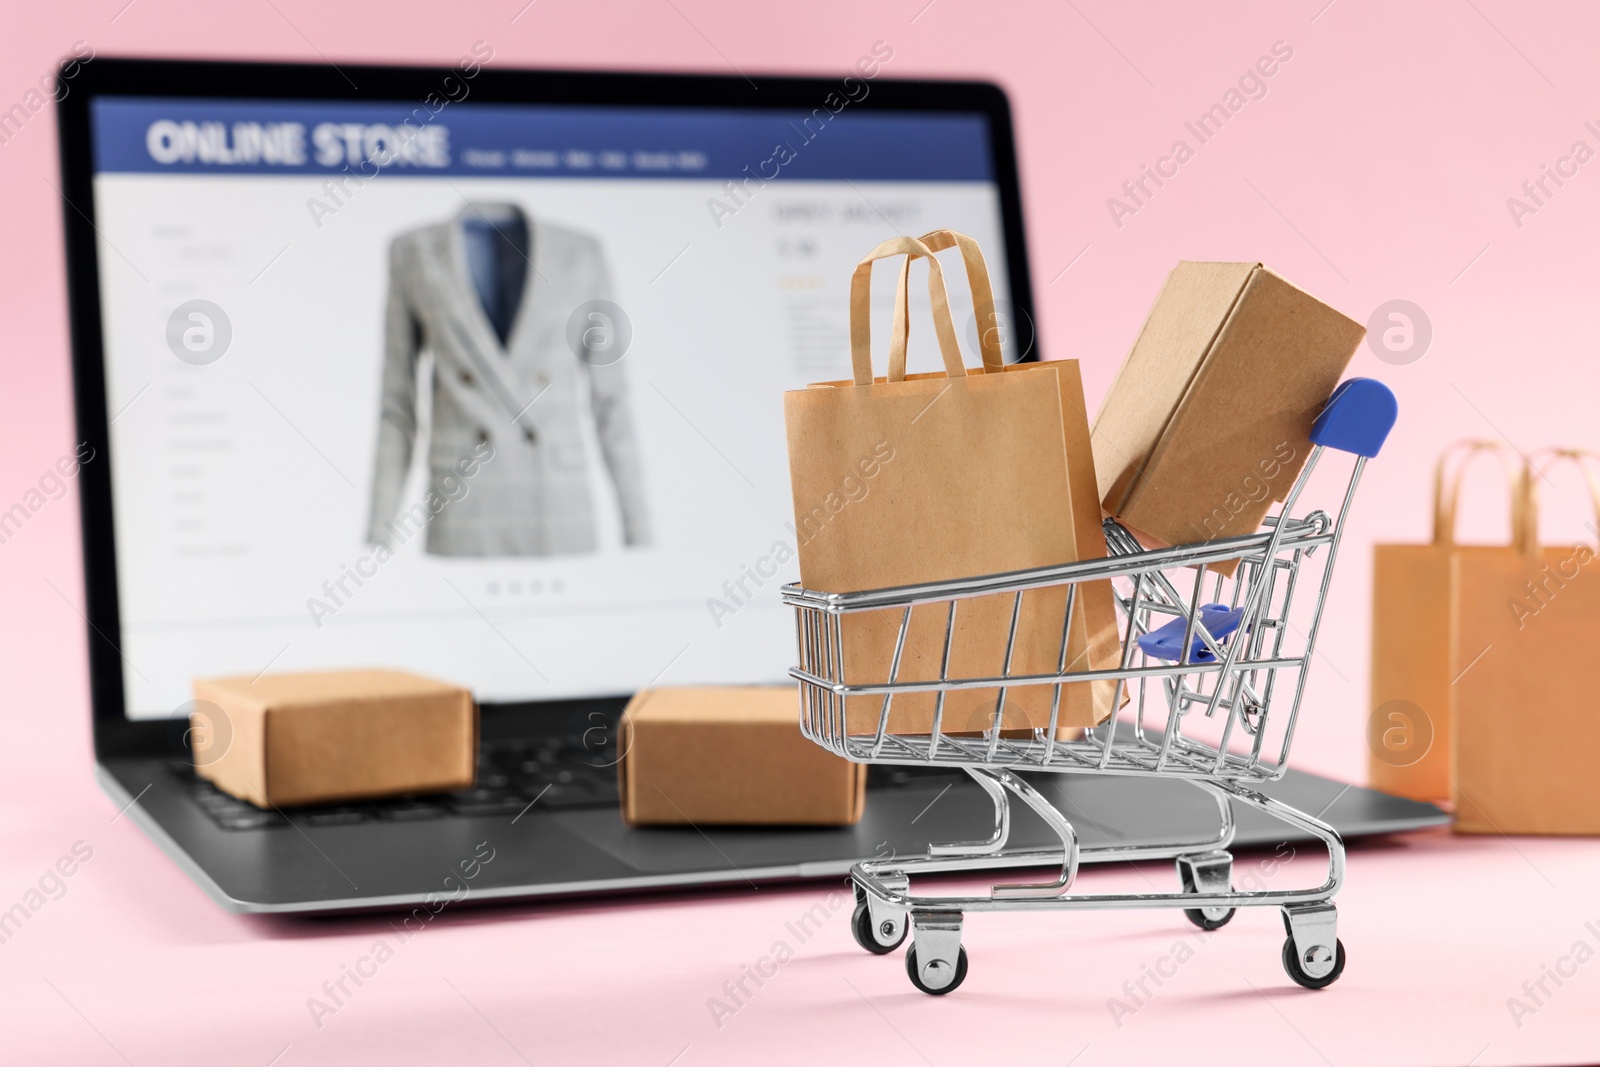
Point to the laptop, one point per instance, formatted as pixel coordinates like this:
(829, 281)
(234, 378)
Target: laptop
(477, 373)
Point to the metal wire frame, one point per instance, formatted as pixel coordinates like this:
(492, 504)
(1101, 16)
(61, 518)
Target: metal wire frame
(1240, 679)
(1239, 676)
(887, 880)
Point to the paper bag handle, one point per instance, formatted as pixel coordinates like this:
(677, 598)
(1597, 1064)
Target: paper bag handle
(1584, 459)
(978, 282)
(861, 313)
(1446, 495)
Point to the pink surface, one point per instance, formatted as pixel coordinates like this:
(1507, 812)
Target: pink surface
(1440, 932)
(1377, 167)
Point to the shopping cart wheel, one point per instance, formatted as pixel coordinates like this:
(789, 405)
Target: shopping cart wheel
(1207, 872)
(915, 973)
(882, 937)
(1209, 918)
(1297, 971)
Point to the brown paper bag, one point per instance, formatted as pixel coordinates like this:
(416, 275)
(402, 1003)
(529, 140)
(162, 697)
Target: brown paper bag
(1408, 733)
(929, 477)
(1526, 725)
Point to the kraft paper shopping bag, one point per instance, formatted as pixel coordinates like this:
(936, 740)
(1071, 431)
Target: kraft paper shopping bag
(1526, 628)
(1409, 727)
(1103, 642)
(928, 477)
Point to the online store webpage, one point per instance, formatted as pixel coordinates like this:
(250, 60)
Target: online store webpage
(494, 395)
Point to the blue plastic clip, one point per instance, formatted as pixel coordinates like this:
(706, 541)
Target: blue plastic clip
(1167, 641)
(1358, 417)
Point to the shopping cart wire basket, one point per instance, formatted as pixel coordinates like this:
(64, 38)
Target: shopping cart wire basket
(1207, 638)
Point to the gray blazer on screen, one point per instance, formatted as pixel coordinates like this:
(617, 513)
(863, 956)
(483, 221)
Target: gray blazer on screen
(519, 398)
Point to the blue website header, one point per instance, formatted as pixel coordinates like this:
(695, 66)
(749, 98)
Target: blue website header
(147, 135)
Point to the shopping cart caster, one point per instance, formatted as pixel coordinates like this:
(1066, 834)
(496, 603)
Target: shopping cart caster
(1209, 918)
(1207, 872)
(879, 935)
(935, 971)
(1291, 963)
(942, 965)
(1313, 954)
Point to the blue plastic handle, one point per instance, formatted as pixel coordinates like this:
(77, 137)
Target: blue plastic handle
(1358, 418)
(1166, 642)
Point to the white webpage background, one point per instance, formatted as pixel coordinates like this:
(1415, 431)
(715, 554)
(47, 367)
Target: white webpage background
(240, 487)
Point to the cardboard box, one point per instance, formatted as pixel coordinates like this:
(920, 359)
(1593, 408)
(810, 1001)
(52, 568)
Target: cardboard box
(284, 739)
(730, 756)
(1208, 423)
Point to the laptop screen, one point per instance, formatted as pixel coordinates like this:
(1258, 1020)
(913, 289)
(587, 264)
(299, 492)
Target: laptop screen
(489, 392)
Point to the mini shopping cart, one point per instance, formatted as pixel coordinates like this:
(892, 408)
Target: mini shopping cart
(1194, 644)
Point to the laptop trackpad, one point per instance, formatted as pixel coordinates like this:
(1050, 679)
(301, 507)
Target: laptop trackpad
(898, 821)
(753, 850)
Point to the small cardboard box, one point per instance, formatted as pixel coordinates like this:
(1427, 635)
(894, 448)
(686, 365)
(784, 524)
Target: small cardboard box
(284, 739)
(730, 756)
(1208, 423)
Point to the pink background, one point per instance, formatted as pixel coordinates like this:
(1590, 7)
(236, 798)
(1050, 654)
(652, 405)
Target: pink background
(1377, 167)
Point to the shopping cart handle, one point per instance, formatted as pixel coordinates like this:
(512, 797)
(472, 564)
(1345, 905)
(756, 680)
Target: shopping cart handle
(1358, 417)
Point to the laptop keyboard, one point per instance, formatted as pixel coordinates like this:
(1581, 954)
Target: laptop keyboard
(512, 776)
